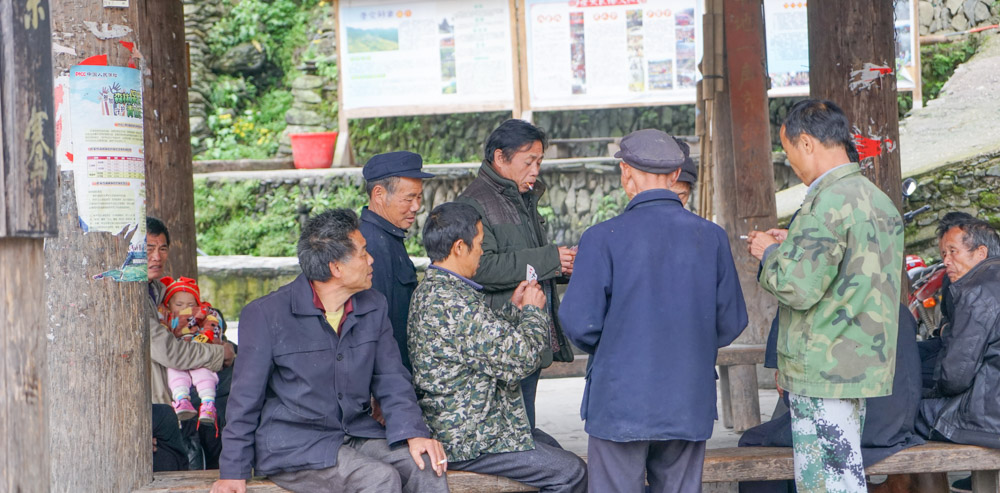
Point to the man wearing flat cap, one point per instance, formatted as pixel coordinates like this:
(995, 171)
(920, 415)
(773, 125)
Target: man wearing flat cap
(654, 294)
(689, 174)
(394, 182)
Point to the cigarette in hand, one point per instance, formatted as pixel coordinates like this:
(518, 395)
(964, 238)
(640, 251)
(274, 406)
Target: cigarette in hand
(744, 237)
(442, 461)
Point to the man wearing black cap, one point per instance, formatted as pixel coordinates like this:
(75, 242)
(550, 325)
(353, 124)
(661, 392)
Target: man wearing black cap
(653, 296)
(688, 177)
(394, 182)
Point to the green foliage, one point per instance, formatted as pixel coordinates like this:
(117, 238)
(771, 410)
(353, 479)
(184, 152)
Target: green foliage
(278, 26)
(939, 62)
(611, 205)
(252, 133)
(246, 218)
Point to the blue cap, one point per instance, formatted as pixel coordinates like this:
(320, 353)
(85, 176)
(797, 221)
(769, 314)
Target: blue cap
(400, 163)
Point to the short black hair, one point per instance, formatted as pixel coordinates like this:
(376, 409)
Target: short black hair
(511, 136)
(977, 233)
(446, 224)
(155, 227)
(823, 120)
(326, 238)
(952, 219)
(388, 183)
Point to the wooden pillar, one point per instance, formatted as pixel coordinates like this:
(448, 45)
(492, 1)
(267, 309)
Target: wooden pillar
(169, 183)
(98, 350)
(744, 176)
(852, 62)
(27, 215)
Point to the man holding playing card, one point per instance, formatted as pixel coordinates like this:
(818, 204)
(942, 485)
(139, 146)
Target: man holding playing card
(515, 246)
(655, 294)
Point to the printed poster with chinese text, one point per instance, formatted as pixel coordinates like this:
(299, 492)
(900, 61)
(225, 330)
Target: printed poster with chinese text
(108, 161)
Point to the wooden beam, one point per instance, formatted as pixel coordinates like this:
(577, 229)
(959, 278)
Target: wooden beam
(852, 62)
(28, 165)
(167, 130)
(98, 350)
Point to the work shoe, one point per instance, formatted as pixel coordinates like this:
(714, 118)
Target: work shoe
(962, 485)
(208, 412)
(184, 409)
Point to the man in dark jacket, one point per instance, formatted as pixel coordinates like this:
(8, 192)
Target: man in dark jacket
(962, 406)
(312, 354)
(506, 195)
(394, 183)
(653, 296)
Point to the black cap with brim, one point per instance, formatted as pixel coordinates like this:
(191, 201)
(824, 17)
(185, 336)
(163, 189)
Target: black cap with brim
(652, 151)
(689, 172)
(399, 163)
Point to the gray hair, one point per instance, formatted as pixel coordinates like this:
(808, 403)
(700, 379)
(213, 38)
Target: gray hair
(388, 183)
(326, 238)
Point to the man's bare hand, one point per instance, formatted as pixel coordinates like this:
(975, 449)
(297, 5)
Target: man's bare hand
(517, 299)
(377, 412)
(433, 449)
(758, 241)
(154, 444)
(230, 356)
(567, 256)
(778, 234)
(230, 486)
(533, 295)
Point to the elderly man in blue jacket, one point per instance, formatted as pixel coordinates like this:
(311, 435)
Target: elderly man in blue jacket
(654, 294)
(312, 354)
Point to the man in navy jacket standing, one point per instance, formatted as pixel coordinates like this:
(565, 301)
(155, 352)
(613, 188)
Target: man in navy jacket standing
(312, 354)
(654, 294)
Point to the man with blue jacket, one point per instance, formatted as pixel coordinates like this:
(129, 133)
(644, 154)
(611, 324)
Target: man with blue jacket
(654, 294)
(312, 354)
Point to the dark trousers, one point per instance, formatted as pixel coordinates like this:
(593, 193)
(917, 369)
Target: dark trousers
(548, 468)
(624, 467)
(929, 351)
(529, 386)
(170, 454)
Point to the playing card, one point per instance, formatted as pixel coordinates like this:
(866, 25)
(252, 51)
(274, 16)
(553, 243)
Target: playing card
(532, 275)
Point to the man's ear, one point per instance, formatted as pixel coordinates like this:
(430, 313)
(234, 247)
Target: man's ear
(335, 271)
(498, 157)
(458, 247)
(980, 253)
(808, 143)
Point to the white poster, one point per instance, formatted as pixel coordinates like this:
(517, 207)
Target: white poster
(430, 54)
(605, 52)
(788, 47)
(108, 163)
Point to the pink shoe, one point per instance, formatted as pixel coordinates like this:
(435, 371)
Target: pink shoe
(208, 412)
(184, 409)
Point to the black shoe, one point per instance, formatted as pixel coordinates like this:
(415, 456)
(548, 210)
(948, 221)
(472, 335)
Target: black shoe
(962, 485)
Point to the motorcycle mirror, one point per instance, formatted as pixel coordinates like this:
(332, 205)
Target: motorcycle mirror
(909, 186)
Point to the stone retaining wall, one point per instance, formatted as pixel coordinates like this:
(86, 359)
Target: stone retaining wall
(945, 16)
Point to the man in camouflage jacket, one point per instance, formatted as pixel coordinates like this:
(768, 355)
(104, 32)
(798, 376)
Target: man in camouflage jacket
(468, 361)
(836, 274)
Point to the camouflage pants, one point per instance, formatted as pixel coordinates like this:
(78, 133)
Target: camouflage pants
(826, 443)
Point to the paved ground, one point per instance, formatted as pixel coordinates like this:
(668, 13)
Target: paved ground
(960, 124)
(558, 413)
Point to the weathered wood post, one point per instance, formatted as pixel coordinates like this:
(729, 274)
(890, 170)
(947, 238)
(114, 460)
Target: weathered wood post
(169, 183)
(852, 62)
(98, 352)
(27, 215)
(744, 178)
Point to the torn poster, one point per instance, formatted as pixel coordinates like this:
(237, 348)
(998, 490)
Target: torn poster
(868, 75)
(108, 161)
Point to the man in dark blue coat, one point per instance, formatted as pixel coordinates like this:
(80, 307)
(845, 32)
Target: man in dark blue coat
(394, 182)
(312, 354)
(654, 294)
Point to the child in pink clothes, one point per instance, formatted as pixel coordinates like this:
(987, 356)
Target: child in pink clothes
(195, 322)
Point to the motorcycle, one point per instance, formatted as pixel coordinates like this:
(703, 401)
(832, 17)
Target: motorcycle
(925, 280)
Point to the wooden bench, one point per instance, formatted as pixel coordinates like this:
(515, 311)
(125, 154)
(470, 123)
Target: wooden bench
(722, 465)
(737, 382)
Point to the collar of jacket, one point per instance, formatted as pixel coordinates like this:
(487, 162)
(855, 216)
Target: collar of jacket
(370, 217)
(975, 271)
(507, 187)
(156, 291)
(302, 300)
(652, 196)
(444, 276)
(828, 181)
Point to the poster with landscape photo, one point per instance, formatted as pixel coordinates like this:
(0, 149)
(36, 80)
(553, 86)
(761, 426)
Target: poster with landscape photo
(594, 53)
(425, 56)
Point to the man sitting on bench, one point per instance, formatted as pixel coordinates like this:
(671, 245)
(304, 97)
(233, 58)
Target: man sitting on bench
(468, 361)
(962, 406)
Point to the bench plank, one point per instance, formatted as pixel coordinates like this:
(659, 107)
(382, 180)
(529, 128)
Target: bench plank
(732, 355)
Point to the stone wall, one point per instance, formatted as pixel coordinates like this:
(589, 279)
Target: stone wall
(972, 186)
(199, 17)
(945, 16)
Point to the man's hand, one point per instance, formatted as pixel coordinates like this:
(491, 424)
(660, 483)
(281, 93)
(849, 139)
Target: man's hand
(154, 445)
(230, 354)
(517, 299)
(779, 234)
(377, 412)
(433, 449)
(758, 241)
(567, 256)
(533, 295)
(230, 486)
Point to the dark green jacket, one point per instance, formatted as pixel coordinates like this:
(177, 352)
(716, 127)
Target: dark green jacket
(514, 237)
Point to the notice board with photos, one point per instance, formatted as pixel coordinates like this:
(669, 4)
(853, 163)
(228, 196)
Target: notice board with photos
(601, 53)
(422, 57)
